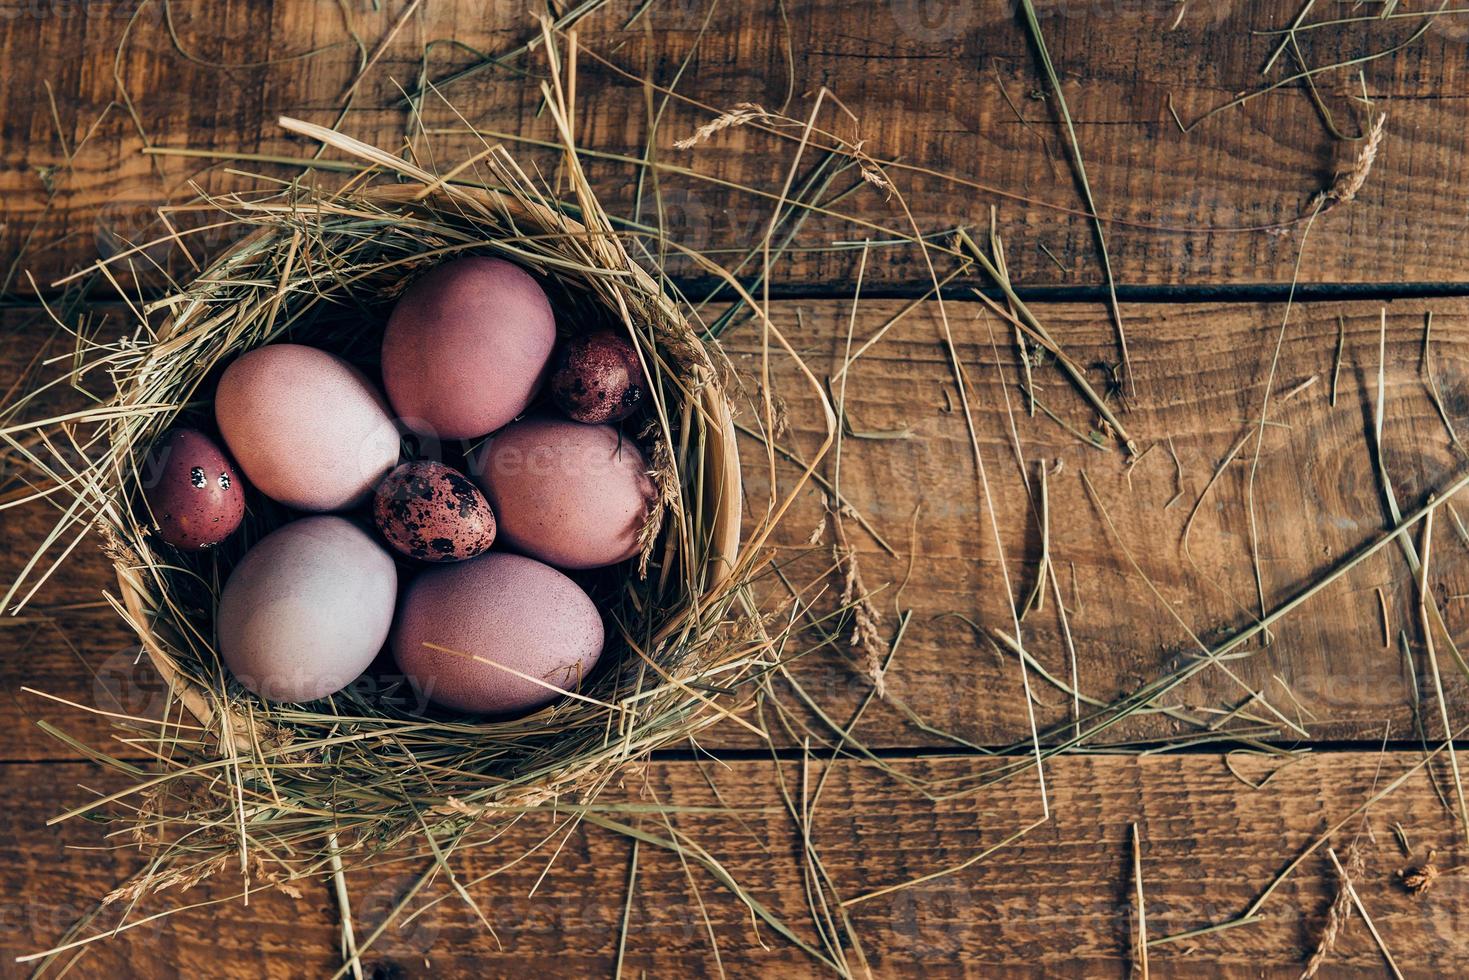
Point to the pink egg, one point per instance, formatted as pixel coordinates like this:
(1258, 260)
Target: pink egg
(308, 429)
(192, 490)
(466, 347)
(457, 622)
(573, 495)
(307, 609)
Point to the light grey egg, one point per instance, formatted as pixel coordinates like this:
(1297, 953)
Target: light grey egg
(307, 609)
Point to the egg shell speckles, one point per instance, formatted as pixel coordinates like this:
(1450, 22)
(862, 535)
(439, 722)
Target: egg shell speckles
(573, 495)
(467, 347)
(507, 609)
(307, 609)
(308, 429)
(432, 512)
(192, 490)
(598, 378)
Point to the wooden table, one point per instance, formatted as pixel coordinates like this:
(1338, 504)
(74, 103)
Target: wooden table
(1206, 232)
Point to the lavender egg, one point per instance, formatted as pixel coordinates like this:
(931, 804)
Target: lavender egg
(308, 429)
(432, 512)
(466, 347)
(192, 490)
(598, 378)
(459, 625)
(307, 609)
(572, 495)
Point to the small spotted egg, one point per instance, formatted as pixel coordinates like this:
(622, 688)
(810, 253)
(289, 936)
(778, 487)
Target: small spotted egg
(192, 490)
(598, 378)
(432, 512)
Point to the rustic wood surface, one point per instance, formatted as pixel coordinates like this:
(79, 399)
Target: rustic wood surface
(949, 86)
(930, 84)
(1058, 903)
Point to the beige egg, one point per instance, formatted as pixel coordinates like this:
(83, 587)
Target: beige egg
(308, 429)
(570, 494)
(460, 625)
(307, 609)
(467, 347)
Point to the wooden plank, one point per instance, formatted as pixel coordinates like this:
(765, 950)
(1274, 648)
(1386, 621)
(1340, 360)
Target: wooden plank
(948, 86)
(1201, 373)
(1056, 903)
(1201, 376)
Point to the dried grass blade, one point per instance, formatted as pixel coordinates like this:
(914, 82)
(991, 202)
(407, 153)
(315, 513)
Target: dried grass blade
(1140, 949)
(1351, 890)
(1424, 601)
(1032, 23)
(632, 881)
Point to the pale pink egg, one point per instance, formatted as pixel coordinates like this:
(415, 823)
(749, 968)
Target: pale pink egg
(308, 429)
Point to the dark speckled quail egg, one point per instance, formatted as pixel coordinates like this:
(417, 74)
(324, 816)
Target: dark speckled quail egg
(598, 378)
(192, 490)
(432, 512)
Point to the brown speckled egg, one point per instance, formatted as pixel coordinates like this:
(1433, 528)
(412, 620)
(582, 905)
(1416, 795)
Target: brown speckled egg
(432, 512)
(598, 378)
(308, 429)
(467, 347)
(307, 609)
(498, 609)
(192, 490)
(573, 495)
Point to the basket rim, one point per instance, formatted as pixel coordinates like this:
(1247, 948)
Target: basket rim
(722, 523)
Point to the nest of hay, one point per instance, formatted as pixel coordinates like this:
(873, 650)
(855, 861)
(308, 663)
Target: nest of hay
(286, 791)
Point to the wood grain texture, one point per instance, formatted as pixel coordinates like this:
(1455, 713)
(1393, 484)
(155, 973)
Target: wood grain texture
(954, 86)
(1058, 903)
(951, 86)
(1201, 375)
(1201, 372)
